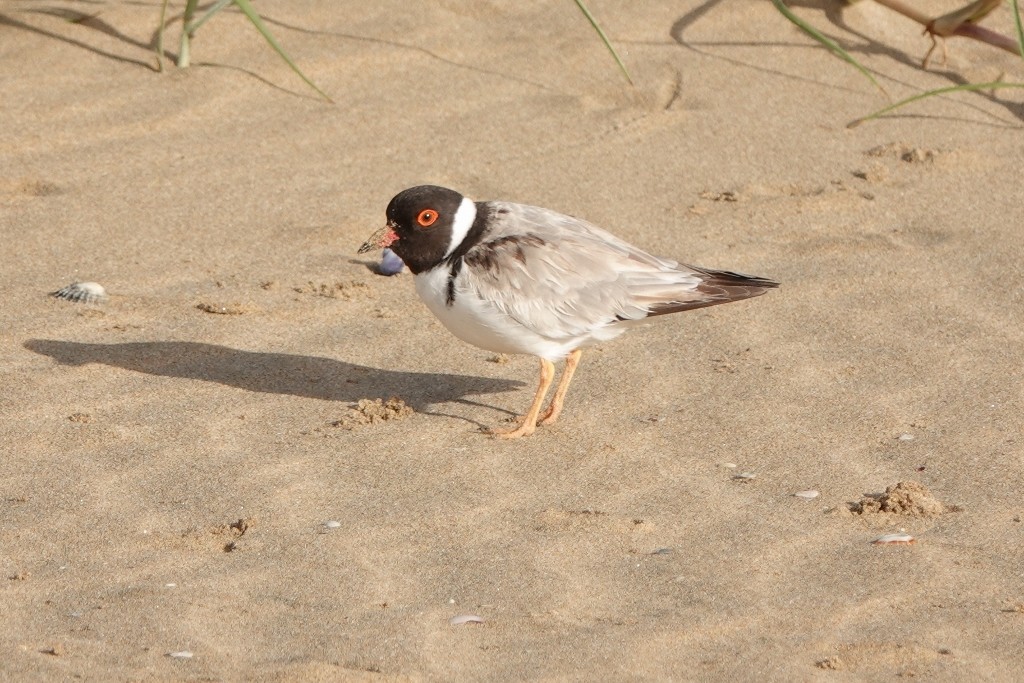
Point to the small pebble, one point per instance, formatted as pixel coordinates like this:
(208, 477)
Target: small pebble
(730, 465)
(390, 264)
(465, 619)
(906, 437)
(894, 539)
(332, 524)
(807, 495)
(744, 476)
(82, 293)
(183, 654)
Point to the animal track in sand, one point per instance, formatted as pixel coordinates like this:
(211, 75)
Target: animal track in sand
(15, 189)
(236, 530)
(222, 309)
(904, 152)
(225, 537)
(346, 291)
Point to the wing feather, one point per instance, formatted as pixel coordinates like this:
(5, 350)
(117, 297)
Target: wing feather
(563, 277)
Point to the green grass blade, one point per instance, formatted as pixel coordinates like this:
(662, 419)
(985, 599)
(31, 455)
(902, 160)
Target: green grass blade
(827, 42)
(1020, 29)
(160, 37)
(185, 49)
(932, 93)
(249, 12)
(216, 7)
(190, 11)
(604, 38)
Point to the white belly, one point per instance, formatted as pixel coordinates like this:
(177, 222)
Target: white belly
(480, 323)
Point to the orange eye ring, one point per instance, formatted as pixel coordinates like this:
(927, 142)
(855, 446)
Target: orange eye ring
(426, 218)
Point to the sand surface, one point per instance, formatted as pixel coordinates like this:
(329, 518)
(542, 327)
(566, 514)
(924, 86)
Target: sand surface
(169, 458)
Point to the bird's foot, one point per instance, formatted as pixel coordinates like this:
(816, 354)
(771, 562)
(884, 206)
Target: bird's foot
(549, 416)
(525, 428)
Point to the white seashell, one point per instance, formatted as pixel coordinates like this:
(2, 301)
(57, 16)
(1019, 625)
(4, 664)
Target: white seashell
(390, 264)
(807, 495)
(82, 292)
(465, 619)
(905, 437)
(332, 524)
(894, 539)
(183, 654)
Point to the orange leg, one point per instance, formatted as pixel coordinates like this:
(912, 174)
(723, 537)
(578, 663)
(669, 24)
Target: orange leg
(555, 407)
(529, 424)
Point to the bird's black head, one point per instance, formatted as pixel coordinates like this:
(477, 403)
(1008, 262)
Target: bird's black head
(422, 219)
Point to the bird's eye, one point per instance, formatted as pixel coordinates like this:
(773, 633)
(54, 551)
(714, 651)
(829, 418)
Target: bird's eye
(427, 217)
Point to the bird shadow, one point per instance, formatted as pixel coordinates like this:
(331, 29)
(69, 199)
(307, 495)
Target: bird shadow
(326, 379)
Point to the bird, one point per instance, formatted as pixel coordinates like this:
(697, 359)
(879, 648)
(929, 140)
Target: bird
(518, 279)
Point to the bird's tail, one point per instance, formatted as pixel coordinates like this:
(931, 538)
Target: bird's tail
(718, 287)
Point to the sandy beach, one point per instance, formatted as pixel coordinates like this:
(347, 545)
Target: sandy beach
(261, 460)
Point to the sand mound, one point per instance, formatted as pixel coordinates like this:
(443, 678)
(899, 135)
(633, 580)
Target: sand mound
(903, 498)
(374, 411)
